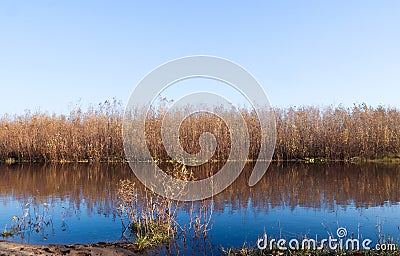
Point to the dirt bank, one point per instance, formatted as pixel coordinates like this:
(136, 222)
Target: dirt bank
(9, 248)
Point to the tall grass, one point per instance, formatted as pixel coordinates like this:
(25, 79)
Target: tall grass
(150, 219)
(335, 133)
(338, 133)
(94, 135)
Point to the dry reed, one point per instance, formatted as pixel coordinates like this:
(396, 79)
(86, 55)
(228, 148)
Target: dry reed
(335, 133)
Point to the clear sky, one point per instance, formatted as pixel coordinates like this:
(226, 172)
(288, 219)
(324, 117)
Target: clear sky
(55, 53)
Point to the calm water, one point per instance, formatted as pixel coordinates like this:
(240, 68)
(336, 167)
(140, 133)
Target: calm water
(292, 200)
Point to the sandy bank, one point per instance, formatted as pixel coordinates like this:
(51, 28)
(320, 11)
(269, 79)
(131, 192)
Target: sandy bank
(10, 248)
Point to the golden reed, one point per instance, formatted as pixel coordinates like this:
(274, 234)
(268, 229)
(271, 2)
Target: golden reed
(95, 135)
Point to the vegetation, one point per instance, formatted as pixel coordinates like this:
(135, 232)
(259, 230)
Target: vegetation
(150, 220)
(35, 218)
(338, 133)
(244, 251)
(91, 136)
(307, 133)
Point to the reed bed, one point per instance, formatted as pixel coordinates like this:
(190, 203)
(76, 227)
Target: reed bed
(95, 135)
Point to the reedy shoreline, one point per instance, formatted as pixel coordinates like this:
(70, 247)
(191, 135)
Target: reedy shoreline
(309, 134)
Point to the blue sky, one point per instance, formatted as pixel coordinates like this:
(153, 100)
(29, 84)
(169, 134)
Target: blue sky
(55, 53)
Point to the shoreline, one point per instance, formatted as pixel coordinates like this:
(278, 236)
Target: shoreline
(101, 248)
(307, 160)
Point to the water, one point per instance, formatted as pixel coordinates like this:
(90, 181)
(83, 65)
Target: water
(291, 201)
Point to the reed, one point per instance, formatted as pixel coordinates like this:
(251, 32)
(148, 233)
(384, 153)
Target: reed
(94, 135)
(150, 220)
(335, 133)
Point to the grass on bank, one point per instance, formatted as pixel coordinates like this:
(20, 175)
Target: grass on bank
(253, 251)
(256, 252)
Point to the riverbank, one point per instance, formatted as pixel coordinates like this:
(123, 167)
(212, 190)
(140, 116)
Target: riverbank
(256, 252)
(17, 249)
(117, 249)
(308, 160)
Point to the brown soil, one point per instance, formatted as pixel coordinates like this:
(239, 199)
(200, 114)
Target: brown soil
(10, 248)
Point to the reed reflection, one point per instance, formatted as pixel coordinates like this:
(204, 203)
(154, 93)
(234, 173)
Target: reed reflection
(284, 185)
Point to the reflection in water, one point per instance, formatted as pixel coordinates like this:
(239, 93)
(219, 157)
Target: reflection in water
(92, 186)
(287, 190)
(317, 186)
